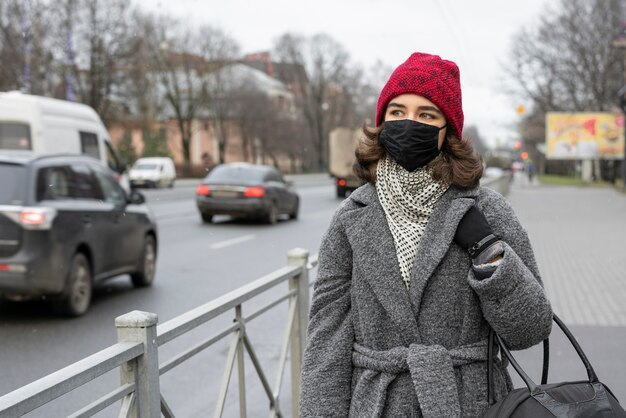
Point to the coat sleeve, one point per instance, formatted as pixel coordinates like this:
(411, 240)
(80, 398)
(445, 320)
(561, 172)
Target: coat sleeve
(513, 299)
(327, 366)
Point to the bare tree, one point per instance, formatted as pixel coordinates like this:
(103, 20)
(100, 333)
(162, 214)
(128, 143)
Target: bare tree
(322, 90)
(187, 65)
(249, 112)
(567, 62)
(96, 38)
(73, 49)
(139, 90)
(12, 45)
(26, 53)
(219, 51)
(176, 71)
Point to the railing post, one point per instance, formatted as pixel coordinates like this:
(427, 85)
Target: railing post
(138, 326)
(240, 363)
(298, 257)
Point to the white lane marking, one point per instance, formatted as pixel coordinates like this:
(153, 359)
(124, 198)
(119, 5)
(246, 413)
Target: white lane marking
(233, 241)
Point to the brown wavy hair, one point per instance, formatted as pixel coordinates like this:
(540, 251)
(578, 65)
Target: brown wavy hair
(458, 164)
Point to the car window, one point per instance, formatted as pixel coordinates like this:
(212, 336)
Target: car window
(274, 176)
(237, 172)
(112, 192)
(54, 183)
(85, 185)
(146, 166)
(15, 136)
(89, 144)
(12, 188)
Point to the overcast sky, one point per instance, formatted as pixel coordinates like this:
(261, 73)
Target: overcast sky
(476, 34)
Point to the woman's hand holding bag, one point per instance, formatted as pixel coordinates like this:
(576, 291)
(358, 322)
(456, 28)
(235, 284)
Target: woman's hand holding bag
(476, 236)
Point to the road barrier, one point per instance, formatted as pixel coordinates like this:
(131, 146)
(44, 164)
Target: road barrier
(137, 352)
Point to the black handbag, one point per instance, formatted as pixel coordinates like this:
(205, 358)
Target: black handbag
(587, 398)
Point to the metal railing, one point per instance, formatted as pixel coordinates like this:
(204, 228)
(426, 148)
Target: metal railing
(137, 353)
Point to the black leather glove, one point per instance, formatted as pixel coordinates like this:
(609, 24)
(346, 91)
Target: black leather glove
(474, 233)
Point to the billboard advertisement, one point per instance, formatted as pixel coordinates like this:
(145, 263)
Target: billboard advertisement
(584, 136)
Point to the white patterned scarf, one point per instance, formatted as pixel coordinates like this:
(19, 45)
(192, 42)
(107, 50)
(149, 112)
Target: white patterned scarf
(408, 199)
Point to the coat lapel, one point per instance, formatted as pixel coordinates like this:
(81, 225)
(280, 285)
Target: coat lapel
(438, 237)
(369, 229)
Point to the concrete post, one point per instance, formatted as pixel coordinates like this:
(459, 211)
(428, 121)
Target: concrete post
(298, 257)
(138, 326)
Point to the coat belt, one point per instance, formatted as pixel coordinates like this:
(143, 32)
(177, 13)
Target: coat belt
(431, 368)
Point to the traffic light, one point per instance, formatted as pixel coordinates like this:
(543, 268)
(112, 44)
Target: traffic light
(518, 144)
(524, 155)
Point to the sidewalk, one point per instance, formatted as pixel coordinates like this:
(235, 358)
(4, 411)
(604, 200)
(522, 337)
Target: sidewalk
(579, 239)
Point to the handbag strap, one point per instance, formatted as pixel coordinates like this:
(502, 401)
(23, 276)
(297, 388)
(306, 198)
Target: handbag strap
(593, 378)
(490, 357)
(590, 372)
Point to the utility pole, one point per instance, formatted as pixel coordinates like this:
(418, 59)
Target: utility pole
(69, 54)
(620, 43)
(26, 85)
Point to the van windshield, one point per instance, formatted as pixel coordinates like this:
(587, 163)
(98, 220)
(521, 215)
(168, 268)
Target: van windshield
(15, 136)
(146, 166)
(12, 186)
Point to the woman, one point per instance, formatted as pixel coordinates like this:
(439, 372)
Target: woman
(416, 266)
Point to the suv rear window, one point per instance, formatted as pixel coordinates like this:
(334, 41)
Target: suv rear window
(15, 136)
(67, 182)
(12, 186)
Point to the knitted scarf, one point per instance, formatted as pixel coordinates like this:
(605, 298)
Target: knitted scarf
(408, 199)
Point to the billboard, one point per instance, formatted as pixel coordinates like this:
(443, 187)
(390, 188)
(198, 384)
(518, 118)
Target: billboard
(584, 136)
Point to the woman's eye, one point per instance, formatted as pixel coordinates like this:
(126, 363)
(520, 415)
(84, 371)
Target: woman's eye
(396, 113)
(427, 116)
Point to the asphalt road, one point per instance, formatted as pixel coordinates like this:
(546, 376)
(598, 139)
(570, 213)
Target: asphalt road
(196, 263)
(200, 262)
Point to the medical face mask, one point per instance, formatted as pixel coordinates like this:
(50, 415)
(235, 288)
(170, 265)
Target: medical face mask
(412, 144)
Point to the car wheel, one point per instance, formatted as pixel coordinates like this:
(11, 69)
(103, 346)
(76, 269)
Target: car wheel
(271, 217)
(206, 217)
(171, 185)
(145, 276)
(341, 192)
(294, 212)
(77, 297)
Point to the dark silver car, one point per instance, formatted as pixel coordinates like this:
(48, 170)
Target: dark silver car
(65, 224)
(246, 190)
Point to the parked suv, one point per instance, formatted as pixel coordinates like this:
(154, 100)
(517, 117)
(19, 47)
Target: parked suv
(65, 224)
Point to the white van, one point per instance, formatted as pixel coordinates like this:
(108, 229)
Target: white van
(49, 126)
(153, 172)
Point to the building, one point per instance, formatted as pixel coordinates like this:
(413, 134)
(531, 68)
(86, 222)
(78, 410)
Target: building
(245, 115)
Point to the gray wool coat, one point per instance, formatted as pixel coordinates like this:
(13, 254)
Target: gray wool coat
(376, 349)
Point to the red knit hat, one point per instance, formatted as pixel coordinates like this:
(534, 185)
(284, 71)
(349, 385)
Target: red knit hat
(431, 77)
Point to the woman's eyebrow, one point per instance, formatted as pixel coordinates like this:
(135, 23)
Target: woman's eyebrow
(431, 108)
(393, 104)
(420, 108)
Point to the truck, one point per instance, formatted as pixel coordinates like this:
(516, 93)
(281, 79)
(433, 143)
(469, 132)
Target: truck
(48, 126)
(342, 143)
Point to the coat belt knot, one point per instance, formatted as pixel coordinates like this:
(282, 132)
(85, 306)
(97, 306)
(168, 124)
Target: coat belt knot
(431, 368)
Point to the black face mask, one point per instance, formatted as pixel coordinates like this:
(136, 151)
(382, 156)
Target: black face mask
(412, 144)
